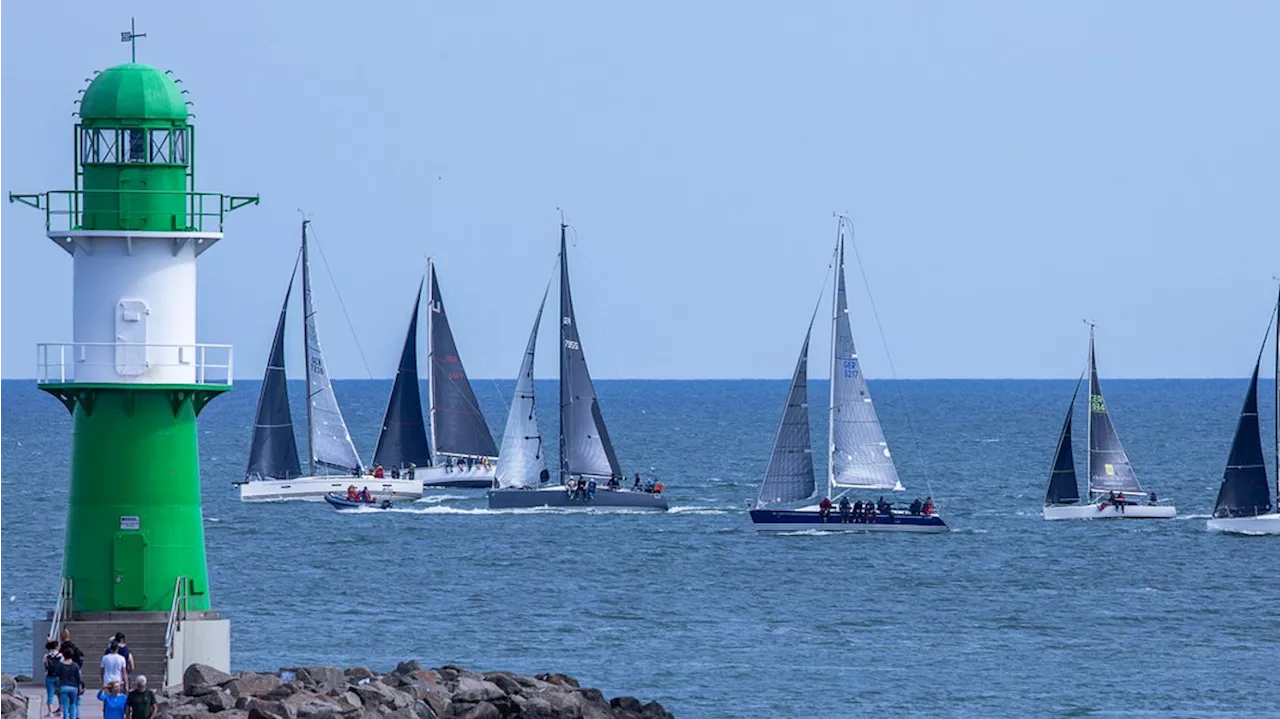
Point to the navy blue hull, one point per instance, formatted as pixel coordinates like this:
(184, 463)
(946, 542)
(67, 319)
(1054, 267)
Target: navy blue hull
(791, 520)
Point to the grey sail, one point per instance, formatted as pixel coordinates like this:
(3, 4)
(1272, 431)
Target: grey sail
(585, 448)
(1064, 488)
(522, 461)
(457, 424)
(859, 456)
(331, 444)
(789, 476)
(273, 453)
(1109, 468)
(1245, 491)
(403, 438)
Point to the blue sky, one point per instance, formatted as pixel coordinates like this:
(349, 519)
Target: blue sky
(1011, 168)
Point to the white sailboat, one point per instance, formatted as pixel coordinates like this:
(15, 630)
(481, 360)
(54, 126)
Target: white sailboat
(273, 472)
(461, 452)
(1245, 504)
(1113, 488)
(858, 456)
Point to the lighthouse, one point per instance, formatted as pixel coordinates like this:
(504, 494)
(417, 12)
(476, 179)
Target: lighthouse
(134, 378)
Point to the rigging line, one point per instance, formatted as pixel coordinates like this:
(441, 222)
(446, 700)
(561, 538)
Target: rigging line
(555, 268)
(862, 270)
(329, 271)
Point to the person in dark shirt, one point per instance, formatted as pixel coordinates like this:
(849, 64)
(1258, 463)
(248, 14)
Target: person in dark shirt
(70, 682)
(845, 509)
(141, 703)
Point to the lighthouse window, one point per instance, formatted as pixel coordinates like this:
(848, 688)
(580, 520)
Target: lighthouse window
(137, 145)
(169, 147)
(99, 146)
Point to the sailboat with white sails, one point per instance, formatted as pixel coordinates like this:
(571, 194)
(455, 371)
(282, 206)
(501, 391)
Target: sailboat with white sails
(586, 452)
(1113, 489)
(273, 472)
(1245, 504)
(858, 456)
(464, 453)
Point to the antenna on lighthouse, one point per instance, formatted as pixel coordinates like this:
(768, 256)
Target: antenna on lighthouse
(131, 37)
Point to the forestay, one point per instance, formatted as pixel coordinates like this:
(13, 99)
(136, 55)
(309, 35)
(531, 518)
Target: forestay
(458, 425)
(789, 476)
(1064, 488)
(1109, 468)
(585, 448)
(331, 444)
(521, 461)
(403, 438)
(273, 453)
(859, 455)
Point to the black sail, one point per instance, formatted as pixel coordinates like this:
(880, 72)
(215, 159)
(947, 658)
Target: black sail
(459, 428)
(403, 439)
(585, 448)
(273, 453)
(1063, 486)
(1109, 467)
(1244, 491)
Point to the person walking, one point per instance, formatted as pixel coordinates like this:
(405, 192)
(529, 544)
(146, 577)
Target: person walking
(52, 658)
(113, 700)
(70, 683)
(114, 667)
(141, 703)
(124, 652)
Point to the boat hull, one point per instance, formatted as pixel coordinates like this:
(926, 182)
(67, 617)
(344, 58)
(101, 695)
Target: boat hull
(440, 477)
(1109, 511)
(314, 489)
(1261, 524)
(799, 520)
(340, 501)
(557, 496)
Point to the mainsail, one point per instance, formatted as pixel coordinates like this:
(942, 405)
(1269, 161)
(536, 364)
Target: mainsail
(1244, 491)
(457, 425)
(1063, 487)
(521, 461)
(1109, 468)
(403, 439)
(789, 476)
(273, 454)
(330, 441)
(585, 448)
(859, 456)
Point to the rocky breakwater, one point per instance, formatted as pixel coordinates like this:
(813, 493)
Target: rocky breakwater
(409, 692)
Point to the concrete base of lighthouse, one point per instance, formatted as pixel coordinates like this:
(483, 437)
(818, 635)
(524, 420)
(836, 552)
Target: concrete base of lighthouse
(199, 638)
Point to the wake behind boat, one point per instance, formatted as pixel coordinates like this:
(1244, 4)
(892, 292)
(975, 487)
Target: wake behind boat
(859, 457)
(1113, 489)
(465, 453)
(273, 472)
(1244, 504)
(590, 476)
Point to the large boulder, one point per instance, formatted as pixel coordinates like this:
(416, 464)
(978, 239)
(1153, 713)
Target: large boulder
(504, 681)
(269, 709)
(375, 694)
(219, 701)
(323, 676)
(200, 678)
(13, 705)
(559, 680)
(473, 690)
(481, 710)
(251, 684)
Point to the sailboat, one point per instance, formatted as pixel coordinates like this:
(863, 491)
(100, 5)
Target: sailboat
(858, 456)
(586, 452)
(1244, 503)
(273, 472)
(1113, 489)
(464, 453)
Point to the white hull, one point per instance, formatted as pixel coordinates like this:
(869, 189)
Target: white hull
(1096, 511)
(439, 476)
(1261, 524)
(313, 489)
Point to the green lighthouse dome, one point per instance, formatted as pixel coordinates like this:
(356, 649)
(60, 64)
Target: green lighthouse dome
(133, 94)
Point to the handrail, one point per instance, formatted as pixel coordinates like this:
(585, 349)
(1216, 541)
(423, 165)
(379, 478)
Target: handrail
(210, 364)
(62, 610)
(194, 212)
(177, 612)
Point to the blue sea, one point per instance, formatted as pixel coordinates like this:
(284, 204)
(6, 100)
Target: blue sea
(1008, 615)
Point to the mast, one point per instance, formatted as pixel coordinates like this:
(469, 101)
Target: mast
(431, 357)
(565, 392)
(306, 343)
(1275, 505)
(1088, 432)
(831, 399)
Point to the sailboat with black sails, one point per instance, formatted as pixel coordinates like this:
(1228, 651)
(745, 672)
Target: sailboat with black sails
(587, 456)
(858, 457)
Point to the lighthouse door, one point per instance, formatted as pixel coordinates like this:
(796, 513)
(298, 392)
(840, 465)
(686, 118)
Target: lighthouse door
(131, 337)
(129, 570)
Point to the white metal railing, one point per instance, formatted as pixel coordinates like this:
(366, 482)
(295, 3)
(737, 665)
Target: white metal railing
(177, 612)
(133, 362)
(62, 610)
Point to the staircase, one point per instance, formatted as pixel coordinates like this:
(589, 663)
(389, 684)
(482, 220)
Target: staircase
(144, 633)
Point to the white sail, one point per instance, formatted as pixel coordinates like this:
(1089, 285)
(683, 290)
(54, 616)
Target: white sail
(331, 444)
(859, 455)
(522, 461)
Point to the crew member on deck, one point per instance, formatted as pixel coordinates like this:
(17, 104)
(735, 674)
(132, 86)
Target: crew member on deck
(378, 473)
(857, 511)
(845, 509)
(636, 486)
(591, 489)
(916, 506)
(352, 494)
(824, 508)
(928, 505)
